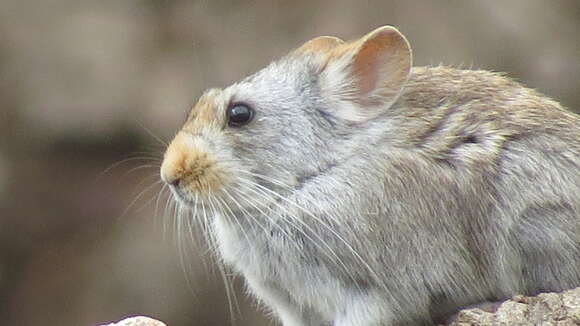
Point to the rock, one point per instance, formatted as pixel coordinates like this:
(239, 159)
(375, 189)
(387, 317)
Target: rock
(546, 309)
(137, 321)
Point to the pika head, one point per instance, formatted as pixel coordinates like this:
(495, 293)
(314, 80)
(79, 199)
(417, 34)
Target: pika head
(275, 127)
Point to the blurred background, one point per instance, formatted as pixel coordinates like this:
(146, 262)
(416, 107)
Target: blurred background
(90, 91)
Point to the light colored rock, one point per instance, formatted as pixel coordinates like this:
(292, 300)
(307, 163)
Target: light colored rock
(472, 316)
(511, 313)
(137, 321)
(571, 304)
(546, 309)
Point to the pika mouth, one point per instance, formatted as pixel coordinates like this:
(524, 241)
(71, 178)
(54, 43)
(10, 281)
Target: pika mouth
(182, 197)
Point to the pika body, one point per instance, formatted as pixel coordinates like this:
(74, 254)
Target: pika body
(350, 188)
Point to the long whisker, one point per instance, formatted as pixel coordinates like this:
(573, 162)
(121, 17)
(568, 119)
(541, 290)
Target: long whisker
(140, 167)
(143, 192)
(248, 215)
(232, 216)
(222, 270)
(204, 226)
(288, 218)
(183, 247)
(268, 179)
(161, 193)
(169, 202)
(326, 226)
(116, 164)
(161, 141)
(234, 305)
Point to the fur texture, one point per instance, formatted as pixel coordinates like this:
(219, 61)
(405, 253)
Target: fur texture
(383, 196)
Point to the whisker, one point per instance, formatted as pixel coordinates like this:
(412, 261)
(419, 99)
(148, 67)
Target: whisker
(232, 215)
(161, 141)
(254, 219)
(184, 246)
(232, 300)
(147, 179)
(163, 189)
(143, 192)
(221, 270)
(140, 167)
(150, 200)
(213, 242)
(117, 164)
(268, 179)
(206, 236)
(166, 211)
(327, 227)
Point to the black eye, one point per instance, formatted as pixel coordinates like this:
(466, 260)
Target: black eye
(239, 115)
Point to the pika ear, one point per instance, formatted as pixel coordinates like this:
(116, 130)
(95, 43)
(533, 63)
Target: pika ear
(368, 75)
(322, 45)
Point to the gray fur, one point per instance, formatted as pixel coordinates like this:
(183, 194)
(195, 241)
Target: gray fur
(465, 190)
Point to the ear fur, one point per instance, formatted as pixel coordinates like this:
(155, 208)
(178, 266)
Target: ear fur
(321, 45)
(365, 77)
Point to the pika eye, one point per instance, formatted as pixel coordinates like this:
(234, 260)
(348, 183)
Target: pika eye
(239, 115)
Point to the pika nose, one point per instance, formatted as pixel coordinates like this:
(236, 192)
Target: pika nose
(171, 173)
(170, 178)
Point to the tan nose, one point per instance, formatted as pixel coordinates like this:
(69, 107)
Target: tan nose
(172, 169)
(188, 163)
(174, 166)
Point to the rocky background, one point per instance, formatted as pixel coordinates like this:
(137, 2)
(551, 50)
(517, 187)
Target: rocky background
(84, 85)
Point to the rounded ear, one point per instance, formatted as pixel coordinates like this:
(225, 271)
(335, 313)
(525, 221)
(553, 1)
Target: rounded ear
(368, 75)
(321, 44)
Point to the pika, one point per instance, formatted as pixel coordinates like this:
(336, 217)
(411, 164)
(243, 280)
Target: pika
(350, 188)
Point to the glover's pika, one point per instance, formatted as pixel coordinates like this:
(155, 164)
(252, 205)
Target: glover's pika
(350, 188)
